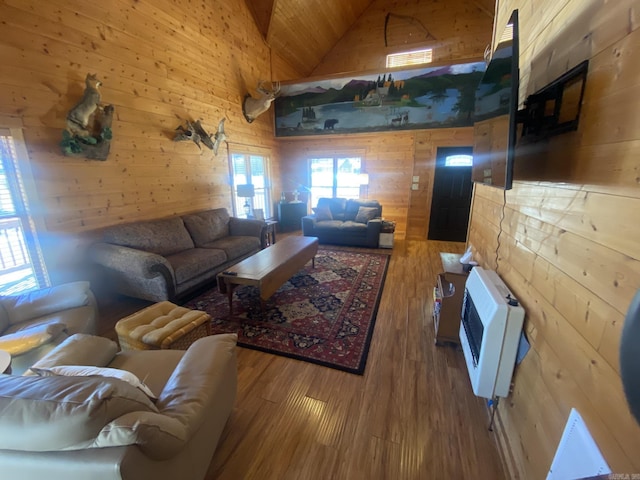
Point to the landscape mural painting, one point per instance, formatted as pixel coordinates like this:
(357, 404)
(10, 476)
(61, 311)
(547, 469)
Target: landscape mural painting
(436, 97)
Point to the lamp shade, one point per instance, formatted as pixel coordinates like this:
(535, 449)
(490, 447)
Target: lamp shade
(363, 178)
(246, 191)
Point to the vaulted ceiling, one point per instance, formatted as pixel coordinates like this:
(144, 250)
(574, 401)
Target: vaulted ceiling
(303, 32)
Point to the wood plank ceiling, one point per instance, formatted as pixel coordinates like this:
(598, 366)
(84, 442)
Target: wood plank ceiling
(303, 32)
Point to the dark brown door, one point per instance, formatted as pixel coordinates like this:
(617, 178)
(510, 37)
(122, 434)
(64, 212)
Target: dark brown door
(452, 189)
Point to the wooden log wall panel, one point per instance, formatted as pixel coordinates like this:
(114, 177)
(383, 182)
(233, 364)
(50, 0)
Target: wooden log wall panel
(281, 70)
(462, 31)
(387, 158)
(567, 244)
(160, 62)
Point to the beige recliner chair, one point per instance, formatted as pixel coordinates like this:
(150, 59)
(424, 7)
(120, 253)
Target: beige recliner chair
(33, 323)
(54, 426)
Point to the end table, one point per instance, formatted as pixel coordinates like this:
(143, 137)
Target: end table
(5, 362)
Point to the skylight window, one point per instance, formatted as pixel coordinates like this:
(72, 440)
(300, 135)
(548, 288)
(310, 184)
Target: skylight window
(416, 57)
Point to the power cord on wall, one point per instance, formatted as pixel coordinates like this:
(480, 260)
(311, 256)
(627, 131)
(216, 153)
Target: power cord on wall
(504, 204)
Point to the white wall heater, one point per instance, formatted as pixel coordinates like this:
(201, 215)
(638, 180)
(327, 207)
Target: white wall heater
(490, 330)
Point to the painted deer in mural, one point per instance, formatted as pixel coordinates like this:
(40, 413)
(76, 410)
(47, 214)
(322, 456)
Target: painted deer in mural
(254, 107)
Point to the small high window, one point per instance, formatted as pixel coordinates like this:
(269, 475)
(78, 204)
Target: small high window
(458, 161)
(415, 57)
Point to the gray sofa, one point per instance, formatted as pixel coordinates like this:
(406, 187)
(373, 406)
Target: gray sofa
(340, 221)
(165, 259)
(62, 426)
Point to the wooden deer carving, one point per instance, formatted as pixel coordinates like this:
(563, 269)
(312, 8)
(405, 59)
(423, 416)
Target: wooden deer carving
(254, 107)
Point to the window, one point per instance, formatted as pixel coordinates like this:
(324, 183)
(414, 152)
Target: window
(416, 57)
(21, 262)
(334, 177)
(250, 170)
(458, 160)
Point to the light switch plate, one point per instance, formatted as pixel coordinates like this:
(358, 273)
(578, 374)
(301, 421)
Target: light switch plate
(414, 186)
(416, 179)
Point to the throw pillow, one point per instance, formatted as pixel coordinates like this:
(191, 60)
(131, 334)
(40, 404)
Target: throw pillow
(322, 214)
(88, 371)
(365, 214)
(24, 341)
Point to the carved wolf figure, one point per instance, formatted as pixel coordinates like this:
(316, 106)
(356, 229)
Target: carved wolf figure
(78, 116)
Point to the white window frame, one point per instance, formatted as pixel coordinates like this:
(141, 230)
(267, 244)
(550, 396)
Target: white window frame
(337, 190)
(19, 244)
(262, 198)
(414, 57)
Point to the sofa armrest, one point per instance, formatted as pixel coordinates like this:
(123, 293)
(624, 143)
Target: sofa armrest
(374, 226)
(34, 304)
(308, 224)
(131, 262)
(246, 227)
(203, 384)
(206, 374)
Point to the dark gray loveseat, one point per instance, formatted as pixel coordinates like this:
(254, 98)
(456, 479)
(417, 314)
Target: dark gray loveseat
(164, 259)
(339, 221)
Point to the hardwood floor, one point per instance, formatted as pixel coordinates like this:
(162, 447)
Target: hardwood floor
(412, 415)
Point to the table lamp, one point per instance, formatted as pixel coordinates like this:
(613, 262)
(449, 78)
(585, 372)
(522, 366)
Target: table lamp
(246, 192)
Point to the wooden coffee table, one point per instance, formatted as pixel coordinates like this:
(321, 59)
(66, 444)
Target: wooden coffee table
(269, 268)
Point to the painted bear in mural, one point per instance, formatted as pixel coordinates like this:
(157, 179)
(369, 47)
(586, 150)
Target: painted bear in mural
(329, 124)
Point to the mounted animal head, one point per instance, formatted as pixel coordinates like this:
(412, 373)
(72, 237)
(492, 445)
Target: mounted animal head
(254, 107)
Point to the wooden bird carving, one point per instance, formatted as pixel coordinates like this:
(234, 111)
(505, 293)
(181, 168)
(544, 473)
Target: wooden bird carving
(204, 136)
(187, 133)
(219, 136)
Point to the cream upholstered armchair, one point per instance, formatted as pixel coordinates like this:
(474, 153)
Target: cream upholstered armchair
(32, 323)
(60, 424)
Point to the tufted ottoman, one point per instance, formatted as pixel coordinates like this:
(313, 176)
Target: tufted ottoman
(162, 325)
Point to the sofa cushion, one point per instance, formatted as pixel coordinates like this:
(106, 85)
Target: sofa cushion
(337, 228)
(164, 237)
(79, 349)
(29, 305)
(205, 227)
(236, 247)
(336, 205)
(89, 371)
(323, 213)
(365, 214)
(196, 261)
(354, 204)
(153, 366)
(62, 413)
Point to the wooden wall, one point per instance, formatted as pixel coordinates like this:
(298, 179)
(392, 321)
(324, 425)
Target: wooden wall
(160, 62)
(456, 30)
(566, 240)
(391, 159)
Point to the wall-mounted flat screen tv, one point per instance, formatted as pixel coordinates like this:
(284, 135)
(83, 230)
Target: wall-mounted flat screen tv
(496, 110)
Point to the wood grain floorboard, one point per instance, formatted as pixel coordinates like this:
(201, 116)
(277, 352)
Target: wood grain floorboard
(412, 415)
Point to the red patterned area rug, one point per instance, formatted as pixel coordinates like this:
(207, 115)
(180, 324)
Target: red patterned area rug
(324, 315)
